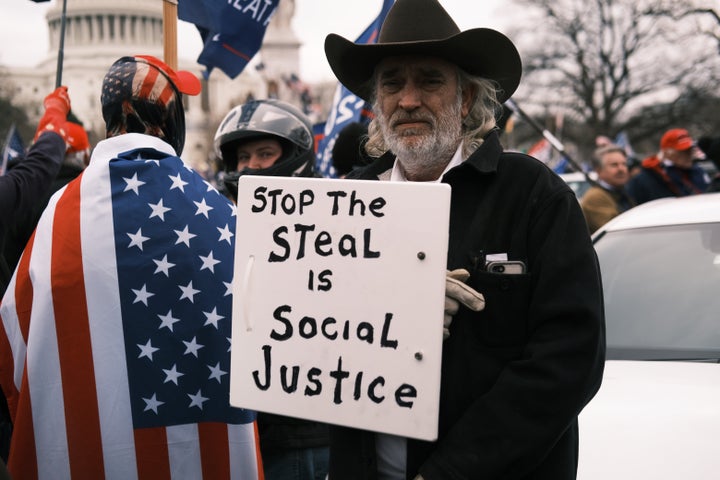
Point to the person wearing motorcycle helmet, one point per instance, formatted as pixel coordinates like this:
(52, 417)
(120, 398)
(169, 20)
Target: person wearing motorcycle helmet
(264, 137)
(271, 137)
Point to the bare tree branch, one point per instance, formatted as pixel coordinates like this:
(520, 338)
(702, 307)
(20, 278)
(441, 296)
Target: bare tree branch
(603, 62)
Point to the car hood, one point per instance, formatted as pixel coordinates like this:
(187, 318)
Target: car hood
(656, 420)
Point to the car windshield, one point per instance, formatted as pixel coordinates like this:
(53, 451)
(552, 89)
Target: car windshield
(577, 181)
(662, 299)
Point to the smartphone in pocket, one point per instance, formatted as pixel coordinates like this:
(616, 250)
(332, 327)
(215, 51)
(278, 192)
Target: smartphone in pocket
(507, 267)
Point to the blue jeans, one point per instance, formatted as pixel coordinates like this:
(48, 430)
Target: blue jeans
(297, 464)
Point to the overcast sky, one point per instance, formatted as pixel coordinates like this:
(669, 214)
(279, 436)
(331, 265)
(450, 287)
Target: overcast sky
(24, 34)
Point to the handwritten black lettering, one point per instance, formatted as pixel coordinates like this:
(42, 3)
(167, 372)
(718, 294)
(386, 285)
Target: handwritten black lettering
(312, 377)
(384, 342)
(289, 386)
(339, 375)
(266, 355)
(347, 244)
(277, 315)
(405, 391)
(374, 206)
(290, 376)
(286, 202)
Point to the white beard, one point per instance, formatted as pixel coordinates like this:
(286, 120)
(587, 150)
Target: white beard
(416, 152)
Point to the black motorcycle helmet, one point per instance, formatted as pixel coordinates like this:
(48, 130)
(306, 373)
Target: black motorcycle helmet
(260, 119)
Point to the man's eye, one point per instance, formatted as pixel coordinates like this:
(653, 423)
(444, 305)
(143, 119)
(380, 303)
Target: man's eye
(391, 85)
(433, 82)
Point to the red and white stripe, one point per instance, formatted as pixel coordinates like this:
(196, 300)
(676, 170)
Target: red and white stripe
(66, 381)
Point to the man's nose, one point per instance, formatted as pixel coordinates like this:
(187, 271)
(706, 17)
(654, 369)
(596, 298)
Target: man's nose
(410, 97)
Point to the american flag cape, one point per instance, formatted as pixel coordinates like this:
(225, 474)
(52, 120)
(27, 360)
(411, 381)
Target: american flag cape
(115, 342)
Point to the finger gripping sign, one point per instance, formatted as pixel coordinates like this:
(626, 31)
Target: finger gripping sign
(338, 298)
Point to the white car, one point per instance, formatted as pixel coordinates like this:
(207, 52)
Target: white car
(657, 414)
(578, 181)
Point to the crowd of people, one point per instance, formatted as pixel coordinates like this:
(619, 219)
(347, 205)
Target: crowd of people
(672, 172)
(523, 351)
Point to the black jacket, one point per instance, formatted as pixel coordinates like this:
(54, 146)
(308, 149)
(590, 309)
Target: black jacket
(515, 375)
(20, 231)
(25, 185)
(282, 433)
(657, 180)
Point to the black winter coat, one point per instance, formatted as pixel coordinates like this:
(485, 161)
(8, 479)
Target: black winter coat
(515, 375)
(664, 181)
(25, 185)
(19, 232)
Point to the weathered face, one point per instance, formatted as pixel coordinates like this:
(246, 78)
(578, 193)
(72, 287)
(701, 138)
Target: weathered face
(258, 154)
(614, 169)
(420, 109)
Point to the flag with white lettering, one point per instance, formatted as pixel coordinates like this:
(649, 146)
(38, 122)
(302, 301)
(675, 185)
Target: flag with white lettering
(347, 107)
(116, 328)
(232, 31)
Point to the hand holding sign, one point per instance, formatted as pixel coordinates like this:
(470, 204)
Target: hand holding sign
(457, 292)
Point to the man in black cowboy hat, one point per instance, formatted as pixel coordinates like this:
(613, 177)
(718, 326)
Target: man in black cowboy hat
(516, 373)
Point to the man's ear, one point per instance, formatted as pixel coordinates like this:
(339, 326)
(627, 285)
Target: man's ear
(469, 91)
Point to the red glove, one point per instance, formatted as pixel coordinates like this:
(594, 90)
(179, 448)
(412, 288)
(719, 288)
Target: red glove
(57, 107)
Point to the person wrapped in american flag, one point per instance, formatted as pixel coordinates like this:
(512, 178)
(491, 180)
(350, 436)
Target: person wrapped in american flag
(115, 340)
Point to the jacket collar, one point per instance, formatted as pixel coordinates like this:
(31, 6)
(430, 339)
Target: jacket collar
(486, 158)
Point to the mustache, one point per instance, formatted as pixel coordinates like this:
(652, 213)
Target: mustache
(402, 116)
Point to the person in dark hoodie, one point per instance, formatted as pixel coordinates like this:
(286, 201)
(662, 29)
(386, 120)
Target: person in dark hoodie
(516, 373)
(272, 137)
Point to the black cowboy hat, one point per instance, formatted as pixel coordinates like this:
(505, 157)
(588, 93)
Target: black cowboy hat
(423, 27)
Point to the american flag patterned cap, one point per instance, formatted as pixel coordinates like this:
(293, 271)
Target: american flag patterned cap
(142, 94)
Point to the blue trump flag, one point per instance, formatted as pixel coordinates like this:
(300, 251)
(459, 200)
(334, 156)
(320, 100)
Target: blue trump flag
(232, 31)
(347, 107)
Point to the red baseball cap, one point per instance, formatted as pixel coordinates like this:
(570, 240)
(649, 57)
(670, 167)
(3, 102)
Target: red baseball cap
(186, 82)
(677, 139)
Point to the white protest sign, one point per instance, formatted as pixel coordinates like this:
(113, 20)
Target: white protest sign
(338, 300)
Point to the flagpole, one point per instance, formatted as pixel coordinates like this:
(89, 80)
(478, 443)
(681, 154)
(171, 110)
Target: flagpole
(170, 33)
(556, 144)
(61, 49)
(5, 153)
